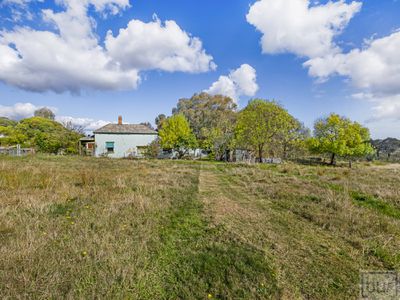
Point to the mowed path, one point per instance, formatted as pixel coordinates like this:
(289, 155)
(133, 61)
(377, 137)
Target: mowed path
(302, 255)
(228, 204)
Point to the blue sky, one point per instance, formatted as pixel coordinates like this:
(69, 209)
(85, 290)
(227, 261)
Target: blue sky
(351, 72)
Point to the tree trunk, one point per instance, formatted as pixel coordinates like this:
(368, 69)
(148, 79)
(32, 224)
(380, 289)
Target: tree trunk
(350, 165)
(260, 153)
(332, 159)
(285, 152)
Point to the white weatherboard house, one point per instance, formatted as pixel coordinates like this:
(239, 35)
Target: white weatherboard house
(123, 140)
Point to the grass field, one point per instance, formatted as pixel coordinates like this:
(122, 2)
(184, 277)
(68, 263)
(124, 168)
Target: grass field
(84, 228)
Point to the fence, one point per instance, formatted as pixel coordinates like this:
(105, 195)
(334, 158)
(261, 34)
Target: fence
(16, 151)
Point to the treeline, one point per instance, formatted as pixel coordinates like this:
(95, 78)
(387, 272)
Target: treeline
(40, 132)
(213, 123)
(263, 128)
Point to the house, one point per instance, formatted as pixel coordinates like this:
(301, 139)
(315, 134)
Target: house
(123, 140)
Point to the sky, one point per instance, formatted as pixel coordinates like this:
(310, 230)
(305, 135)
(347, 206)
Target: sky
(92, 60)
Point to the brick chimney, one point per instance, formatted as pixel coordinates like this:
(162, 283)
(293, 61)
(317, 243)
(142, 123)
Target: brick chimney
(119, 120)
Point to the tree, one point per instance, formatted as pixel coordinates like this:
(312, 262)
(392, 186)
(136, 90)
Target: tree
(386, 147)
(205, 113)
(338, 136)
(147, 124)
(159, 120)
(219, 140)
(10, 136)
(74, 127)
(7, 122)
(42, 134)
(176, 134)
(153, 149)
(44, 113)
(293, 140)
(259, 125)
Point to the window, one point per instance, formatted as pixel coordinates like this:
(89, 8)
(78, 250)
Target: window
(110, 147)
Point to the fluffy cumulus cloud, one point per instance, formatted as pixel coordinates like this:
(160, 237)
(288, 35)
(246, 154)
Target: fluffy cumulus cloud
(18, 111)
(374, 70)
(72, 57)
(298, 27)
(156, 46)
(239, 82)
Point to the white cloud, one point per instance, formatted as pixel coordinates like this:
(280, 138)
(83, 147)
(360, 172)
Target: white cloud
(18, 111)
(153, 45)
(72, 58)
(383, 107)
(18, 2)
(298, 27)
(375, 68)
(308, 30)
(45, 61)
(239, 82)
(86, 123)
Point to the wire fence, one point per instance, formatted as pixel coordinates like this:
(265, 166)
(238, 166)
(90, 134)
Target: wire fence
(16, 151)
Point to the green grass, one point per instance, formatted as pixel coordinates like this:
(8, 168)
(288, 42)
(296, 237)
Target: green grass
(83, 228)
(376, 204)
(199, 260)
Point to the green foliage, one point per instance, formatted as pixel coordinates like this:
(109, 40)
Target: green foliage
(210, 117)
(176, 134)
(262, 124)
(7, 122)
(220, 138)
(291, 142)
(12, 136)
(338, 136)
(42, 134)
(388, 149)
(153, 149)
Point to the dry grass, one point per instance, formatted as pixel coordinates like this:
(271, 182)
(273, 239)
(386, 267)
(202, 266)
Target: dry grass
(98, 228)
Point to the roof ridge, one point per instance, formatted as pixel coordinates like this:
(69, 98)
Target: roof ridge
(125, 129)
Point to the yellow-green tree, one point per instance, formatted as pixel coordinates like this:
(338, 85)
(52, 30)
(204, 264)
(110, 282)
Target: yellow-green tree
(43, 134)
(339, 136)
(260, 124)
(176, 134)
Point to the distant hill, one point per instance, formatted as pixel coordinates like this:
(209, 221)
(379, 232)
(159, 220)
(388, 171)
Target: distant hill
(387, 149)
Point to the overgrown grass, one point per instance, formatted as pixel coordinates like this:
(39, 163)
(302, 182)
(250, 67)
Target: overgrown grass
(83, 228)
